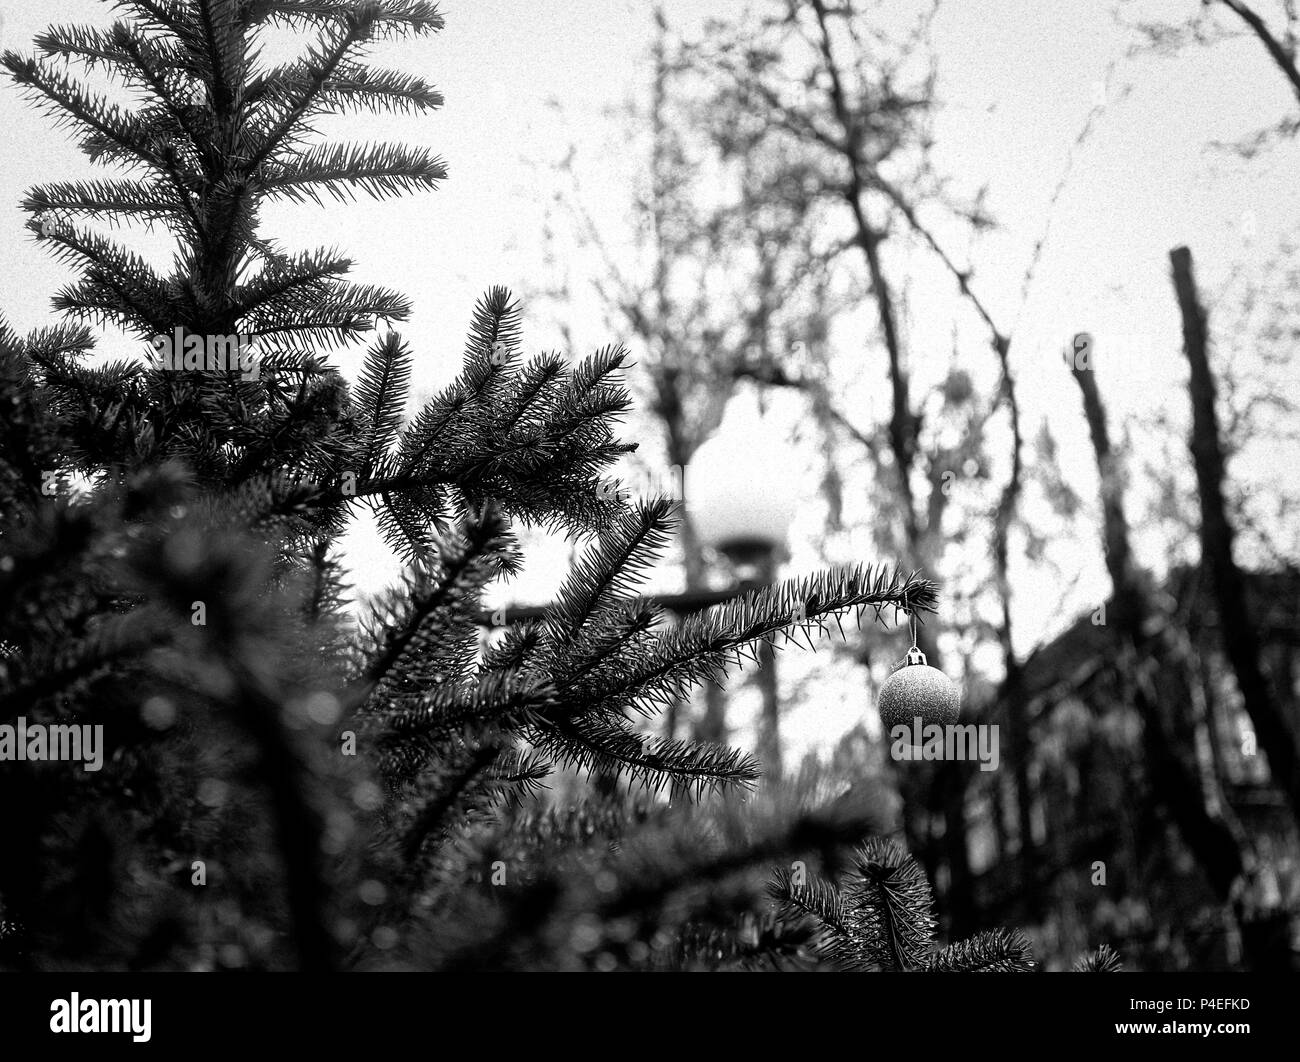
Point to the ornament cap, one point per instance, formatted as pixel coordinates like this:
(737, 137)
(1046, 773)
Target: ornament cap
(914, 656)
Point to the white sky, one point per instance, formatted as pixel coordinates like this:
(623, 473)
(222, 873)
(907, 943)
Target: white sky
(1018, 79)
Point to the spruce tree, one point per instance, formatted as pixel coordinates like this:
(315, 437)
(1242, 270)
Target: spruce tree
(281, 786)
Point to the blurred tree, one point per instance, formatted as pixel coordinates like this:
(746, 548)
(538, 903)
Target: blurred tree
(1152, 660)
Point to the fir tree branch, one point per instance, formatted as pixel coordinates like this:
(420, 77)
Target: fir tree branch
(442, 596)
(696, 649)
(606, 573)
(322, 60)
(888, 907)
(412, 728)
(821, 902)
(392, 17)
(431, 817)
(1104, 959)
(381, 391)
(68, 104)
(608, 746)
(381, 170)
(994, 951)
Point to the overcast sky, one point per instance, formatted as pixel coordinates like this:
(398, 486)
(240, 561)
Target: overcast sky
(1018, 79)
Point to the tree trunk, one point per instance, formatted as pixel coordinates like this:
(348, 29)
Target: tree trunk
(1146, 661)
(1276, 735)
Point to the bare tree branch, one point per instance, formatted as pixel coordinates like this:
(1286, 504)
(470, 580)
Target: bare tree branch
(1281, 54)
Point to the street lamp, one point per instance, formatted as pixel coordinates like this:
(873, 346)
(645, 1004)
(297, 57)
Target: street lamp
(741, 495)
(741, 485)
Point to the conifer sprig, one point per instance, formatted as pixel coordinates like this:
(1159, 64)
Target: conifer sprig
(428, 630)
(993, 951)
(700, 648)
(881, 919)
(1104, 959)
(889, 907)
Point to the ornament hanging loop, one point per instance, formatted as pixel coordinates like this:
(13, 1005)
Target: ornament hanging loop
(914, 654)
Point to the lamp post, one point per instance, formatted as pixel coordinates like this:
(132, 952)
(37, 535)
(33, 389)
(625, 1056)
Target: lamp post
(741, 496)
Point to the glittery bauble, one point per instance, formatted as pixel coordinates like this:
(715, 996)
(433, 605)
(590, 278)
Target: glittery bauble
(917, 689)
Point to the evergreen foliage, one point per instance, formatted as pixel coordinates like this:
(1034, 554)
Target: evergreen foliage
(1104, 960)
(881, 919)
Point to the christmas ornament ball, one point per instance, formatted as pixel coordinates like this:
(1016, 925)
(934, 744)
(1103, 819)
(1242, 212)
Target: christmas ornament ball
(918, 690)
